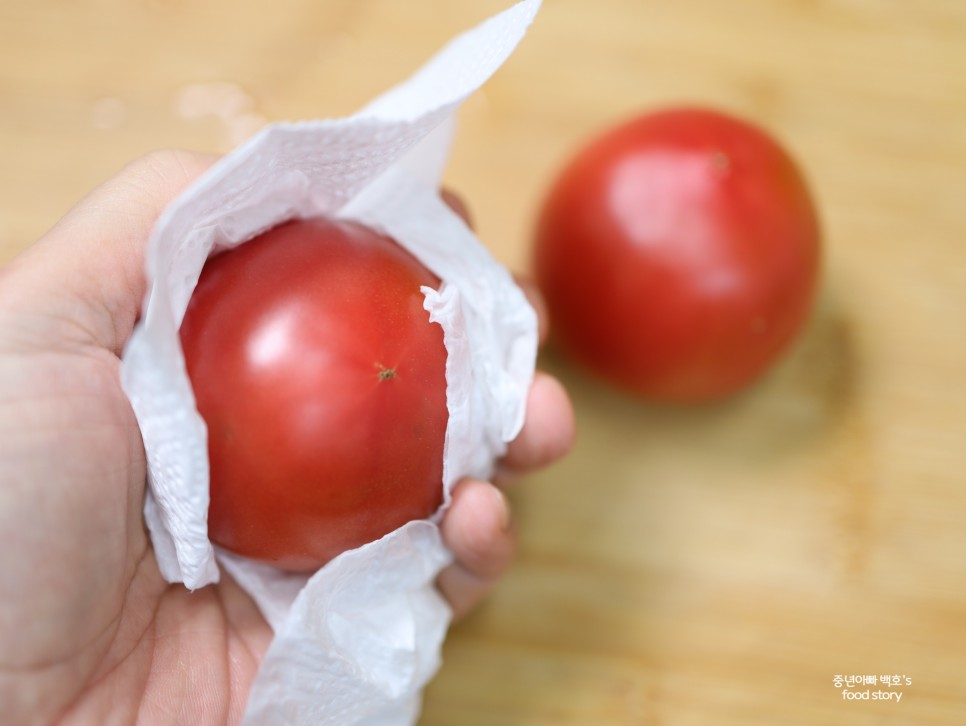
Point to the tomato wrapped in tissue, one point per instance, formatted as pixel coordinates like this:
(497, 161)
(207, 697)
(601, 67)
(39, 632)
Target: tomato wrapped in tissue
(355, 641)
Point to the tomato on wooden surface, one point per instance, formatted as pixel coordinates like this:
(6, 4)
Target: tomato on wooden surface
(323, 386)
(678, 254)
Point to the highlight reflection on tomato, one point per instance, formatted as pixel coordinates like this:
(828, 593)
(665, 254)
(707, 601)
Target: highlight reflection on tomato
(678, 255)
(322, 384)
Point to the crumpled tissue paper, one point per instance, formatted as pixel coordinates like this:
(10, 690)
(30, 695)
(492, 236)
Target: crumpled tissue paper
(356, 641)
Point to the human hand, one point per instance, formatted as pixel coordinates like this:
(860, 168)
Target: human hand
(89, 630)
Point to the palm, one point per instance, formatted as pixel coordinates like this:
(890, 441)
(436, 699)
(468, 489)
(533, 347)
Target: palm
(98, 629)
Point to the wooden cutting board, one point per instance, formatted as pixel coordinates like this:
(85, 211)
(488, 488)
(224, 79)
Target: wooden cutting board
(720, 565)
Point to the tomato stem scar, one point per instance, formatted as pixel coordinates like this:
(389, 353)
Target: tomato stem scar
(385, 374)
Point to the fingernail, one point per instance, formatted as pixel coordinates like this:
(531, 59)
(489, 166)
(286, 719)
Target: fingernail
(502, 508)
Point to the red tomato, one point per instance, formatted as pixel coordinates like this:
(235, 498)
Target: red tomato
(323, 386)
(678, 255)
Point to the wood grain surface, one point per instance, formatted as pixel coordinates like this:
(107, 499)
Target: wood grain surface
(709, 566)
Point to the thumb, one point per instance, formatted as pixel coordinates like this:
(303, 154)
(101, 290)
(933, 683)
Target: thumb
(85, 277)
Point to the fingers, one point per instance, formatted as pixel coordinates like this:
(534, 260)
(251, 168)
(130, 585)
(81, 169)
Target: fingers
(477, 526)
(455, 202)
(548, 433)
(478, 532)
(90, 266)
(535, 298)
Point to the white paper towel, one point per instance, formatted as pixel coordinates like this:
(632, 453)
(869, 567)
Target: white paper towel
(355, 642)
